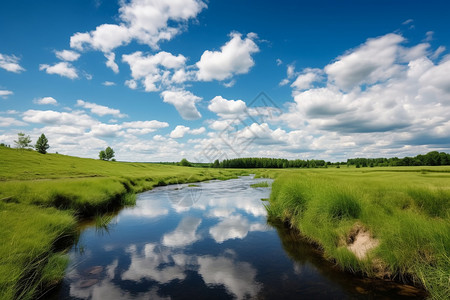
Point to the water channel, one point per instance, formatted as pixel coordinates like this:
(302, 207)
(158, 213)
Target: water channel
(210, 240)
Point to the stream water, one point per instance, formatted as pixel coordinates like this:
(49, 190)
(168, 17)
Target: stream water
(208, 241)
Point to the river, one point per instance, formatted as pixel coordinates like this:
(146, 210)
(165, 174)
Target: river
(210, 240)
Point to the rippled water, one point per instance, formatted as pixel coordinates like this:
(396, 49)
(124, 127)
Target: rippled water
(209, 241)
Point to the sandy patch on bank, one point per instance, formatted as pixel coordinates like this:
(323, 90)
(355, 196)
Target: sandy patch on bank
(360, 241)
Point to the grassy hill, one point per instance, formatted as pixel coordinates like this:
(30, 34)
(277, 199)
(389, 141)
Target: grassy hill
(43, 196)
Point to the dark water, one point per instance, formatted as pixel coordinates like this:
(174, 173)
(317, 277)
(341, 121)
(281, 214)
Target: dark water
(211, 241)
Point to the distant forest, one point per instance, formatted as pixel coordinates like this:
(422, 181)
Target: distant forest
(433, 158)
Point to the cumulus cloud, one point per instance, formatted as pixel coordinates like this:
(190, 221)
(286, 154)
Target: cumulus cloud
(58, 118)
(110, 63)
(371, 62)
(5, 93)
(64, 69)
(154, 70)
(146, 21)
(100, 110)
(306, 79)
(227, 108)
(378, 98)
(181, 130)
(8, 122)
(143, 127)
(67, 55)
(184, 102)
(235, 57)
(46, 101)
(10, 63)
(132, 84)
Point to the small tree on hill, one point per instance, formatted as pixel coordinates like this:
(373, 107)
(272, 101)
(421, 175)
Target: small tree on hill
(102, 155)
(42, 144)
(109, 153)
(23, 141)
(106, 154)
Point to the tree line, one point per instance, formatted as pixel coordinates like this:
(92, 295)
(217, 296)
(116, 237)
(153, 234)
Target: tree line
(433, 158)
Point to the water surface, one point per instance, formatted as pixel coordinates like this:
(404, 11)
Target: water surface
(209, 241)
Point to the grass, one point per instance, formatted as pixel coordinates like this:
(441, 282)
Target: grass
(260, 184)
(406, 209)
(42, 197)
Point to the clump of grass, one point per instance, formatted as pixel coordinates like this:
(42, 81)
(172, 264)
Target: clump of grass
(260, 184)
(435, 203)
(343, 204)
(193, 185)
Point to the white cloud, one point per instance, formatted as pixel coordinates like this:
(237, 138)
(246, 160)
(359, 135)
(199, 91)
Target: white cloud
(146, 21)
(154, 70)
(5, 93)
(10, 63)
(235, 57)
(110, 63)
(371, 62)
(279, 62)
(108, 83)
(184, 102)
(306, 79)
(67, 55)
(100, 110)
(132, 84)
(227, 108)
(58, 118)
(179, 132)
(105, 130)
(380, 99)
(8, 122)
(64, 69)
(438, 52)
(197, 131)
(143, 127)
(46, 101)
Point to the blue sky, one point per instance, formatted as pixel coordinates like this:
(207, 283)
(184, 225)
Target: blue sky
(162, 80)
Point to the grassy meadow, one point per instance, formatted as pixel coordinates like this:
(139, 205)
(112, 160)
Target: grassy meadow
(405, 209)
(43, 196)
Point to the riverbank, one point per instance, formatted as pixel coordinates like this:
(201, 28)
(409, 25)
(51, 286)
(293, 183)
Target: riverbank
(382, 222)
(42, 197)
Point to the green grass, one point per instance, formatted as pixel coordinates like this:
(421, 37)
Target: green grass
(43, 196)
(260, 184)
(406, 209)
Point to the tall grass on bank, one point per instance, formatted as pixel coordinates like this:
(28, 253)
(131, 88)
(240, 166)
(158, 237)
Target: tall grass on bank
(29, 248)
(407, 212)
(43, 196)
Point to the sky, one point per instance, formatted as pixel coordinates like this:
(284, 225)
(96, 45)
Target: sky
(161, 80)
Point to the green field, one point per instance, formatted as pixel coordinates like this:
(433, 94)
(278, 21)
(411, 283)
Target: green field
(43, 196)
(403, 212)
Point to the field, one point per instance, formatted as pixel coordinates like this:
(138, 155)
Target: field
(43, 196)
(381, 222)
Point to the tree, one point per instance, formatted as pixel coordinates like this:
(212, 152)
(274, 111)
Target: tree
(23, 141)
(42, 144)
(109, 153)
(106, 154)
(216, 164)
(102, 155)
(184, 162)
